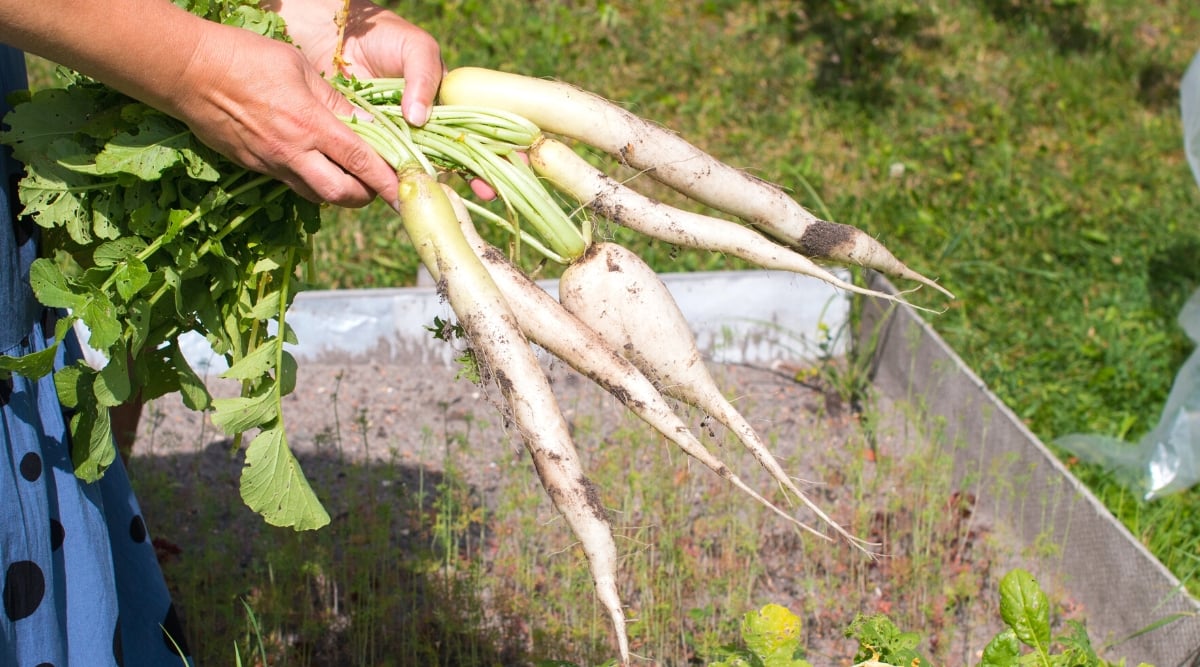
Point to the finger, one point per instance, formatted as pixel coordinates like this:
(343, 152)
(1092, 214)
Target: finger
(322, 180)
(357, 160)
(423, 69)
(482, 190)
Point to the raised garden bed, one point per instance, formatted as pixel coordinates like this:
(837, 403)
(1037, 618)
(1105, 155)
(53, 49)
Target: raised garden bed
(934, 468)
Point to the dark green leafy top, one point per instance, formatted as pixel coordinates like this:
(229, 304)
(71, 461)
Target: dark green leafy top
(148, 234)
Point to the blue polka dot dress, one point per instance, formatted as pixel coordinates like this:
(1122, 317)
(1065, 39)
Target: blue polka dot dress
(79, 580)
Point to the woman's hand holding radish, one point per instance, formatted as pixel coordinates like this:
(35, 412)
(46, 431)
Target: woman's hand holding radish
(377, 43)
(302, 142)
(261, 102)
(277, 109)
(284, 124)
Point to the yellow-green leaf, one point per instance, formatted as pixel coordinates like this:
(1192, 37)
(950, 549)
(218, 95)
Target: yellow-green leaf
(274, 486)
(238, 415)
(773, 634)
(253, 365)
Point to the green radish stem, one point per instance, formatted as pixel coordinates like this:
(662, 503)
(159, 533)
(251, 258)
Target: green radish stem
(560, 108)
(623, 300)
(397, 129)
(506, 357)
(483, 144)
(523, 238)
(204, 207)
(611, 199)
(547, 323)
(522, 191)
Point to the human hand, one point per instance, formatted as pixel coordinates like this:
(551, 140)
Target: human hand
(256, 100)
(377, 43)
(261, 103)
(265, 105)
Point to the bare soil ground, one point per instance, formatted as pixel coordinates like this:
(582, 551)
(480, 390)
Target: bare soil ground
(941, 558)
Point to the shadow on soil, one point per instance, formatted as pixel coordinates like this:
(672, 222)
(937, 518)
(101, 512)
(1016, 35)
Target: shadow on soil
(383, 584)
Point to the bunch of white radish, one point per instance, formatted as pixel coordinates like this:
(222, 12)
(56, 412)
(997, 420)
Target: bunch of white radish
(148, 235)
(614, 320)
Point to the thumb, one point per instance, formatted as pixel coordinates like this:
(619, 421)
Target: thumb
(423, 71)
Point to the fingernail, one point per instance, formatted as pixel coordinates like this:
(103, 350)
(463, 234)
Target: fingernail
(362, 115)
(419, 114)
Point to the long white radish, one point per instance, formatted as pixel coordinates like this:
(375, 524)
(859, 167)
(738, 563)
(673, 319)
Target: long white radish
(615, 293)
(505, 356)
(545, 322)
(561, 108)
(609, 198)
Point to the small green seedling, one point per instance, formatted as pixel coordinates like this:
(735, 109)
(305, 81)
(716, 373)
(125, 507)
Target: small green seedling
(1027, 639)
(880, 642)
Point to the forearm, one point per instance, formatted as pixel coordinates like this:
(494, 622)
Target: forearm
(141, 47)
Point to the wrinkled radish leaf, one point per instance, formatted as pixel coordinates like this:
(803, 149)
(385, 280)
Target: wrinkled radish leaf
(773, 634)
(240, 414)
(255, 364)
(33, 365)
(880, 639)
(51, 287)
(772, 639)
(112, 385)
(1003, 651)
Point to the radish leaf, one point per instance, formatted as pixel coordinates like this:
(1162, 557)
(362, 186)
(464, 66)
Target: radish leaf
(273, 485)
